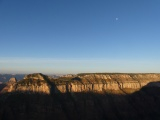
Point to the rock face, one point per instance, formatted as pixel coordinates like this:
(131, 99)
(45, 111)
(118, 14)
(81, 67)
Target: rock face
(12, 80)
(83, 97)
(103, 82)
(35, 76)
(83, 83)
(43, 88)
(36, 82)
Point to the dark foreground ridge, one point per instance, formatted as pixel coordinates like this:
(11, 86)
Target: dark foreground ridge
(141, 102)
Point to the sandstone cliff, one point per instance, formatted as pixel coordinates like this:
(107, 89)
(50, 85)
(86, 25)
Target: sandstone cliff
(12, 80)
(83, 97)
(100, 82)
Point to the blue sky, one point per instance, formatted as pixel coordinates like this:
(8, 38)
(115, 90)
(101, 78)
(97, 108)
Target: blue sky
(75, 36)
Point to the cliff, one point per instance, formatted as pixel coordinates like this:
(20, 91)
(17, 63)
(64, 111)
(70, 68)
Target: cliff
(83, 97)
(105, 82)
(100, 82)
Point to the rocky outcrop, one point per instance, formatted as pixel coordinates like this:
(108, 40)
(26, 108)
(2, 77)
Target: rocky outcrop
(125, 83)
(35, 76)
(83, 97)
(141, 105)
(104, 82)
(36, 82)
(12, 80)
(43, 88)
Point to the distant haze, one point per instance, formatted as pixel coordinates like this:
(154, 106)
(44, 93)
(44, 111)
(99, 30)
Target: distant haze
(74, 66)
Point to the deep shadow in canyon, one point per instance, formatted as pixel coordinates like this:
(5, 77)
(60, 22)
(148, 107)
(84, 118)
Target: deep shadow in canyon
(141, 105)
(2, 86)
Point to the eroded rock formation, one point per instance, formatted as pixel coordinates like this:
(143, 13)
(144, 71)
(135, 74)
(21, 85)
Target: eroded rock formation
(83, 97)
(83, 83)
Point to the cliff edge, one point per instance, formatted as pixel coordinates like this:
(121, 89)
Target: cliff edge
(95, 82)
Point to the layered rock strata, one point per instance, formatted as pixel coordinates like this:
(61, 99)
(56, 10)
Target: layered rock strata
(84, 83)
(104, 82)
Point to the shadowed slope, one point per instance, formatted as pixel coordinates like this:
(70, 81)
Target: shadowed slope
(141, 105)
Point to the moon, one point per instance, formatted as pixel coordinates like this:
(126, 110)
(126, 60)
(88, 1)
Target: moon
(117, 18)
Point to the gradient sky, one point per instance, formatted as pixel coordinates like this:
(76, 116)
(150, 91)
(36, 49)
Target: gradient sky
(75, 36)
